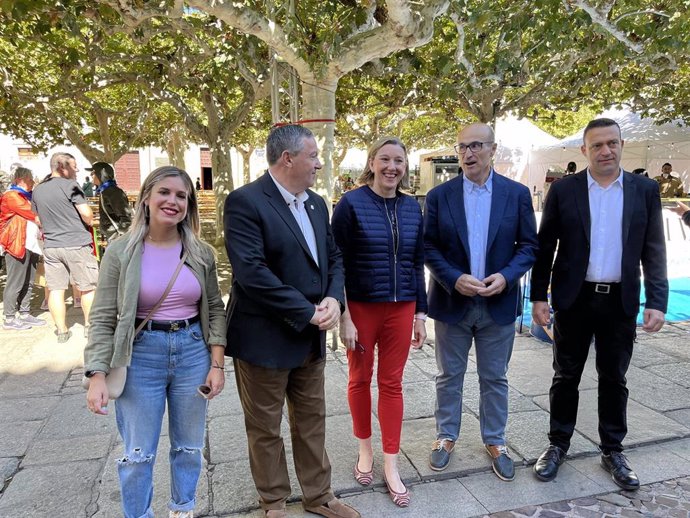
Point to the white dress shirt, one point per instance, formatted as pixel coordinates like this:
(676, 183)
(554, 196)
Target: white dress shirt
(606, 230)
(298, 206)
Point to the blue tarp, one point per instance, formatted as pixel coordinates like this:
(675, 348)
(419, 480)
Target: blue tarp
(678, 303)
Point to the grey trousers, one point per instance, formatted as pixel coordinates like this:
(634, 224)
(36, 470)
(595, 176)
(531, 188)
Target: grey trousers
(20, 283)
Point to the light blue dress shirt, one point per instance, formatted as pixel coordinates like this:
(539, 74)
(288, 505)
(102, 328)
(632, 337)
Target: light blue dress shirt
(606, 230)
(477, 213)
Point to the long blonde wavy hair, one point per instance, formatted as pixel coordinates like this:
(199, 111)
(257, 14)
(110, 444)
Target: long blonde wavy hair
(189, 228)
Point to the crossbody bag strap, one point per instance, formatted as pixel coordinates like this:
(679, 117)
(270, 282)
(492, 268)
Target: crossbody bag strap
(165, 294)
(117, 227)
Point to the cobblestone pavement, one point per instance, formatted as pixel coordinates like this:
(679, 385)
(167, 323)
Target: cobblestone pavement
(669, 498)
(58, 460)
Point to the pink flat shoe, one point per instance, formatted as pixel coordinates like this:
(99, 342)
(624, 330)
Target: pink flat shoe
(399, 499)
(363, 477)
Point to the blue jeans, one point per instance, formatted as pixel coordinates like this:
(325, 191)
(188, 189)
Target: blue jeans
(166, 366)
(494, 346)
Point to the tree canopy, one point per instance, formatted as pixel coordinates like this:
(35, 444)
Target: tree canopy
(110, 75)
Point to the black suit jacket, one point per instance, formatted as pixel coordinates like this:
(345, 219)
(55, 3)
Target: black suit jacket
(276, 281)
(566, 222)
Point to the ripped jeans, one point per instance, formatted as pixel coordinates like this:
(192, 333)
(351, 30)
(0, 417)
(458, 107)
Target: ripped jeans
(165, 367)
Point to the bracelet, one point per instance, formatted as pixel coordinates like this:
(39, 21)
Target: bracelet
(218, 367)
(421, 317)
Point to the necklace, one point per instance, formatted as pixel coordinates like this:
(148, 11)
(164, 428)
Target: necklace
(168, 240)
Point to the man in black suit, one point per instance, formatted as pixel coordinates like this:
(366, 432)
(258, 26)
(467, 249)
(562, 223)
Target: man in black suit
(287, 291)
(604, 222)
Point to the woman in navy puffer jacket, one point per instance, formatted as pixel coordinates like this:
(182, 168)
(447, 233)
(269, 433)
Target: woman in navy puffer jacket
(379, 231)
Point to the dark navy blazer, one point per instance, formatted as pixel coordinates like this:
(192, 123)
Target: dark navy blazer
(511, 247)
(275, 280)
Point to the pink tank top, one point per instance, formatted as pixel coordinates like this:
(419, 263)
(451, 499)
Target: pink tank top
(157, 268)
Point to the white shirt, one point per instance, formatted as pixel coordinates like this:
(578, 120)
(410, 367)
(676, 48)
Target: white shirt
(298, 207)
(606, 230)
(34, 242)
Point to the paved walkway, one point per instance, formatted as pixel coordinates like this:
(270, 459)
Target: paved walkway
(58, 460)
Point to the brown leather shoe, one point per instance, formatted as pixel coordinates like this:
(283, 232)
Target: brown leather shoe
(334, 509)
(440, 454)
(276, 513)
(502, 463)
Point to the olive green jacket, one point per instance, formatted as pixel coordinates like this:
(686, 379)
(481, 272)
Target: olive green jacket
(114, 309)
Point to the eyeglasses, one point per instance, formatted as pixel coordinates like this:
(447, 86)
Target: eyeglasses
(472, 146)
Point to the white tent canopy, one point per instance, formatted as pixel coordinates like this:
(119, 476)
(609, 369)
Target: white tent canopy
(516, 138)
(646, 145)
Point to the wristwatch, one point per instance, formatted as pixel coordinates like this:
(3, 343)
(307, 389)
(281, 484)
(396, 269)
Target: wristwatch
(89, 374)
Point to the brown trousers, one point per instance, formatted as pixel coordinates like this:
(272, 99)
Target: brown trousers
(263, 392)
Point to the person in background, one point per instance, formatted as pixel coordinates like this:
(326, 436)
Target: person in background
(19, 239)
(683, 211)
(87, 187)
(68, 247)
(114, 211)
(601, 225)
(380, 233)
(480, 237)
(76, 298)
(669, 185)
(178, 350)
(198, 184)
(641, 171)
(571, 168)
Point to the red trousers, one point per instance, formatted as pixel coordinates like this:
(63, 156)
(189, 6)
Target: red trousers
(389, 326)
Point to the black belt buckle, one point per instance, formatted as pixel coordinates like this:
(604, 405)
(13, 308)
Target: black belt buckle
(602, 288)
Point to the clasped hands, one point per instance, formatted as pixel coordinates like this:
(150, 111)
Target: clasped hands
(470, 286)
(326, 314)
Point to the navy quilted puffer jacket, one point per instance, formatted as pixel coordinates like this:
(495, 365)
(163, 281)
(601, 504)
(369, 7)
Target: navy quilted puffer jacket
(375, 270)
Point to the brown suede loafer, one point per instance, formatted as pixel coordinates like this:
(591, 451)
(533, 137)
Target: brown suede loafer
(334, 509)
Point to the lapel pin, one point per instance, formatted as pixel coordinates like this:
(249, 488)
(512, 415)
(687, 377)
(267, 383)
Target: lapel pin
(311, 207)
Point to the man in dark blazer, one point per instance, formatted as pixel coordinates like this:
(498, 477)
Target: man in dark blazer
(287, 291)
(604, 222)
(480, 238)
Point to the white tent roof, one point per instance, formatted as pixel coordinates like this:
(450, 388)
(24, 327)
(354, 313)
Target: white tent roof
(515, 138)
(646, 145)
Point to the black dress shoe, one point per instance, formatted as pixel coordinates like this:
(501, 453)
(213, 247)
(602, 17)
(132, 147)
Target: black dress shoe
(621, 472)
(547, 464)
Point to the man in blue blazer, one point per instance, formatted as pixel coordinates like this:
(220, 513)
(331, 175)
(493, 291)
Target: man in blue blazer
(480, 238)
(287, 291)
(601, 224)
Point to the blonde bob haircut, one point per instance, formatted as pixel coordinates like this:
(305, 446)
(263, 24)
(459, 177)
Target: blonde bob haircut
(367, 176)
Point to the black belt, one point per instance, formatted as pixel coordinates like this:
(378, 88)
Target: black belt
(167, 325)
(603, 288)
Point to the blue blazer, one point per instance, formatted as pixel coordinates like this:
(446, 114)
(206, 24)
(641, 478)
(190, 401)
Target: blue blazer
(511, 247)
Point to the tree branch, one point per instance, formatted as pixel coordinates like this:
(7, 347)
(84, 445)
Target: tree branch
(600, 17)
